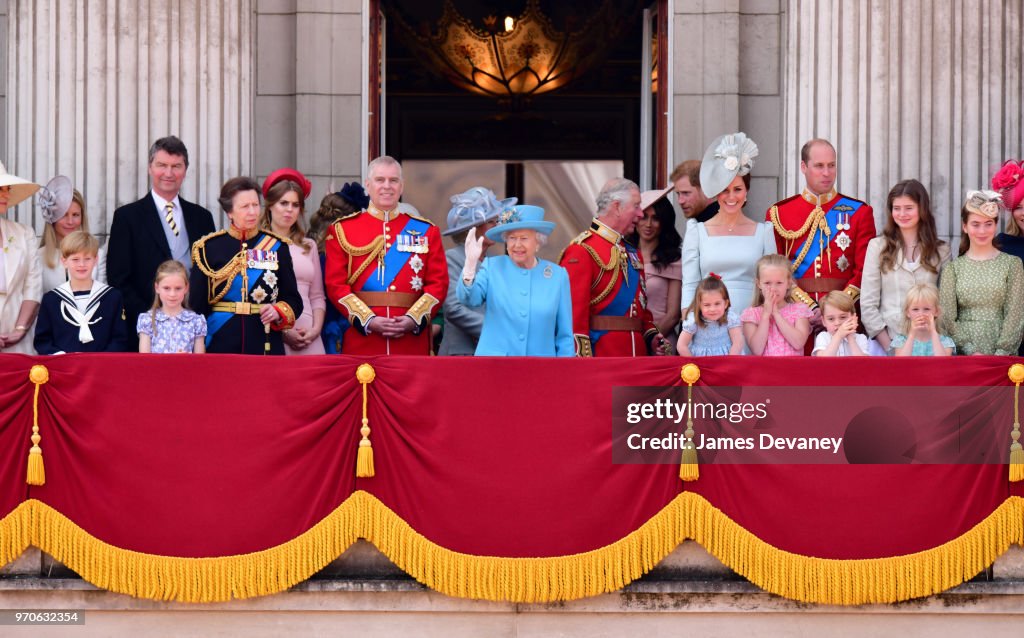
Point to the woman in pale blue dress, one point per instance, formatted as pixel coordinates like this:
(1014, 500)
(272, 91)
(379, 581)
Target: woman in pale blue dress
(730, 243)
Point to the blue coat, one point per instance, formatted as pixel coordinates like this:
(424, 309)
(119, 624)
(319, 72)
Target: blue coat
(529, 312)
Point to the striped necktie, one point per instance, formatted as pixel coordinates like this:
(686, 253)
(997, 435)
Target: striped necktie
(169, 207)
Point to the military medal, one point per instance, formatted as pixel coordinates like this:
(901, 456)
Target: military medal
(842, 263)
(416, 283)
(412, 241)
(271, 278)
(258, 294)
(416, 264)
(843, 241)
(261, 259)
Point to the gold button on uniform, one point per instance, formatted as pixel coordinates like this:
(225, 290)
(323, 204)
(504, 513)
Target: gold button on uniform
(394, 288)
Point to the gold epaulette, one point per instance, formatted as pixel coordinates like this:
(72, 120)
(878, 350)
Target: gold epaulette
(349, 216)
(578, 239)
(422, 219)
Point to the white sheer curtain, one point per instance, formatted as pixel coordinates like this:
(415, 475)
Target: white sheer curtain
(567, 192)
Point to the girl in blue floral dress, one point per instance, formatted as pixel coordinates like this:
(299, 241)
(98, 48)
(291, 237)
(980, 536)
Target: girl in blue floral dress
(170, 327)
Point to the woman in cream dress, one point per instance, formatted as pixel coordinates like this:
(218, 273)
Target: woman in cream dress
(20, 279)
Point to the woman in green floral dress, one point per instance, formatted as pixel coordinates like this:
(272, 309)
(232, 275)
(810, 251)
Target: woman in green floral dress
(982, 290)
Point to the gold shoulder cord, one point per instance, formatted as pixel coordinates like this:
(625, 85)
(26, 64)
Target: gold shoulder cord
(816, 218)
(372, 249)
(612, 265)
(222, 277)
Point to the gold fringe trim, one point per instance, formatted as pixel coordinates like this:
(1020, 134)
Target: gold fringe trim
(533, 580)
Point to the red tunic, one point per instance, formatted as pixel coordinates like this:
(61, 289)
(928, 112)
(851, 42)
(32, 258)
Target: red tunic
(419, 283)
(598, 263)
(836, 267)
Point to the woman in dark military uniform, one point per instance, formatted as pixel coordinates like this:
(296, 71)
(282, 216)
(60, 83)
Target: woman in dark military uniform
(242, 278)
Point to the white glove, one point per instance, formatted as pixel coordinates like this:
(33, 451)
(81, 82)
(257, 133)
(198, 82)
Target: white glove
(474, 250)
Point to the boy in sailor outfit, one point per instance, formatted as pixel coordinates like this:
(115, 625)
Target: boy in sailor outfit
(81, 315)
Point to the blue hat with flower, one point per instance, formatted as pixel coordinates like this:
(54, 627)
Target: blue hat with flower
(520, 218)
(728, 156)
(476, 206)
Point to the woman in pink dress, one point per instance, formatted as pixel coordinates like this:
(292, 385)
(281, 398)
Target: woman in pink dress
(285, 192)
(659, 243)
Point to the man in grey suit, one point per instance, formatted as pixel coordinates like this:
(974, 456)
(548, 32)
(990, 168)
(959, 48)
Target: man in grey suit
(476, 208)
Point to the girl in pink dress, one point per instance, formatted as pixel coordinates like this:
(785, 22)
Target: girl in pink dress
(285, 192)
(775, 325)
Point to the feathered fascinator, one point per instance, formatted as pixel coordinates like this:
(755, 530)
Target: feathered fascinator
(726, 158)
(984, 203)
(54, 199)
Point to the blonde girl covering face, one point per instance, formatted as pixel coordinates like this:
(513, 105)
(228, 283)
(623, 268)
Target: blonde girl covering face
(921, 325)
(774, 312)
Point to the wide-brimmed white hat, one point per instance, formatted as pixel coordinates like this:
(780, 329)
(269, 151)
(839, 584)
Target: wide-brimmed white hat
(728, 156)
(21, 189)
(647, 198)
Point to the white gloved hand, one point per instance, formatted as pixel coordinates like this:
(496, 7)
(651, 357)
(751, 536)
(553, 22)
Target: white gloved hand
(474, 250)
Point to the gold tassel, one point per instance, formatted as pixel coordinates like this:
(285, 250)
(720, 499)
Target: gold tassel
(688, 468)
(364, 457)
(36, 474)
(1016, 375)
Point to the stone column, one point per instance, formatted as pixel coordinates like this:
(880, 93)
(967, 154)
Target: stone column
(906, 89)
(310, 61)
(726, 62)
(92, 83)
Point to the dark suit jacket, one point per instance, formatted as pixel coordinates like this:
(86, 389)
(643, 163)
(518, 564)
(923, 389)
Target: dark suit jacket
(137, 245)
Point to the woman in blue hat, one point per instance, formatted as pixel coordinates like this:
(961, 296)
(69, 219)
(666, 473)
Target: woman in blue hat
(529, 308)
(477, 208)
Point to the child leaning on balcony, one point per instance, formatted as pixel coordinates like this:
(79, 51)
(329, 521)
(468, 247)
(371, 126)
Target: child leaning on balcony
(840, 337)
(710, 327)
(921, 331)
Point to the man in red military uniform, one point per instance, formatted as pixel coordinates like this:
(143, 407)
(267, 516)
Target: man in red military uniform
(823, 233)
(609, 297)
(386, 270)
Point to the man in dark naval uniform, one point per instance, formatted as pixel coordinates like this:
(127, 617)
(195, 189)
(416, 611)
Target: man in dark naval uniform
(243, 281)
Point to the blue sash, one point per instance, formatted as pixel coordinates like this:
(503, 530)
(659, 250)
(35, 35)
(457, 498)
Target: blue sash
(844, 205)
(217, 320)
(623, 299)
(394, 259)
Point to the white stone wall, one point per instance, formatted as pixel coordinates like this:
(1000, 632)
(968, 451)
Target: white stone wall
(906, 89)
(92, 83)
(309, 83)
(727, 61)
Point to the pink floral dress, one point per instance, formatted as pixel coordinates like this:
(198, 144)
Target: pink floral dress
(777, 346)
